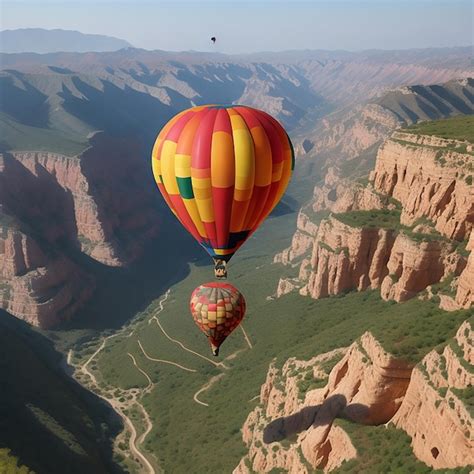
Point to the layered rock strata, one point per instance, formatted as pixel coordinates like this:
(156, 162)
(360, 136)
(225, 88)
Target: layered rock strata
(365, 385)
(434, 412)
(52, 206)
(430, 179)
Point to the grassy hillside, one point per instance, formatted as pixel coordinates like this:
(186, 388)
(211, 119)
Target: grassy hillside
(455, 128)
(192, 438)
(46, 419)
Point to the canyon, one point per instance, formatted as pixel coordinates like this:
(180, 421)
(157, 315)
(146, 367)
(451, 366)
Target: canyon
(78, 186)
(404, 231)
(69, 209)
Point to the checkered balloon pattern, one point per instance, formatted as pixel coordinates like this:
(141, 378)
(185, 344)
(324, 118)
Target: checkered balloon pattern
(217, 309)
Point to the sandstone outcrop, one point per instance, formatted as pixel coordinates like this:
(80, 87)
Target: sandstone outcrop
(422, 187)
(39, 287)
(350, 131)
(82, 199)
(430, 179)
(365, 385)
(414, 265)
(433, 412)
(294, 426)
(339, 194)
(52, 206)
(302, 241)
(346, 258)
(465, 290)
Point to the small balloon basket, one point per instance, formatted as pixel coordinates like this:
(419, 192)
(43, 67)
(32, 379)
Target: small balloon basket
(220, 269)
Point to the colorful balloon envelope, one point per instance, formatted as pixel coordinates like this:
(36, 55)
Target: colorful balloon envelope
(222, 170)
(217, 309)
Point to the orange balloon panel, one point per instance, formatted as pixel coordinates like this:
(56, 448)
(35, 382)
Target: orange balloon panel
(217, 309)
(222, 170)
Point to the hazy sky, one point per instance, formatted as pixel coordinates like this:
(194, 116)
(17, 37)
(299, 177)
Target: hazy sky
(267, 25)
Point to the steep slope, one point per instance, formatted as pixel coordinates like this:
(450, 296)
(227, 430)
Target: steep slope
(350, 137)
(53, 205)
(134, 99)
(438, 405)
(296, 427)
(66, 88)
(342, 77)
(431, 177)
(43, 411)
(400, 232)
(39, 40)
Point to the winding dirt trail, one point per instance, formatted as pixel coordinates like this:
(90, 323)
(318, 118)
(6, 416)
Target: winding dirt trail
(164, 361)
(179, 343)
(84, 368)
(149, 424)
(133, 436)
(246, 336)
(116, 406)
(205, 387)
(150, 382)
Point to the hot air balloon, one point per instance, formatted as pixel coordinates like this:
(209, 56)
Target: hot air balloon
(213, 39)
(222, 170)
(217, 309)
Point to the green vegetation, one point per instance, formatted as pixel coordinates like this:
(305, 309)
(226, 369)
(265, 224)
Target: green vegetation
(308, 382)
(290, 326)
(388, 219)
(21, 137)
(381, 449)
(466, 395)
(384, 218)
(460, 127)
(329, 364)
(10, 464)
(47, 420)
(444, 287)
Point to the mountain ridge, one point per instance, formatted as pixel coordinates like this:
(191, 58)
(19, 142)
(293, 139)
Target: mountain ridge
(40, 40)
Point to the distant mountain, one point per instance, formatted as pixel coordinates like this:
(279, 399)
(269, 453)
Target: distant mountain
(340, 77)
(39, 40)
(350, 137)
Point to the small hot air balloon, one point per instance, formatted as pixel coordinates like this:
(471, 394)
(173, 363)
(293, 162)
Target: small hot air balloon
(217, 309)
(222, 170)
(213, 39)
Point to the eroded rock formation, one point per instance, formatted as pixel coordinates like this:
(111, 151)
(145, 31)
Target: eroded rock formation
(426, 185)
(430, 180)
(51, 205)
(294, 427)
(366, 386)
(433, 412)
(41, 287)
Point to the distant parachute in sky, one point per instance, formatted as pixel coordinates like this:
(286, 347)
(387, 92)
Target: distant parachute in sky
(222, 170)
(217, 309)
(213, 39)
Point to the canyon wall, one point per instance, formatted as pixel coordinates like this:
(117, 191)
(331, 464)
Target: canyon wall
(430, 179)
(403, 231)
(434, 411)
(52, 206)
(295, 426)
